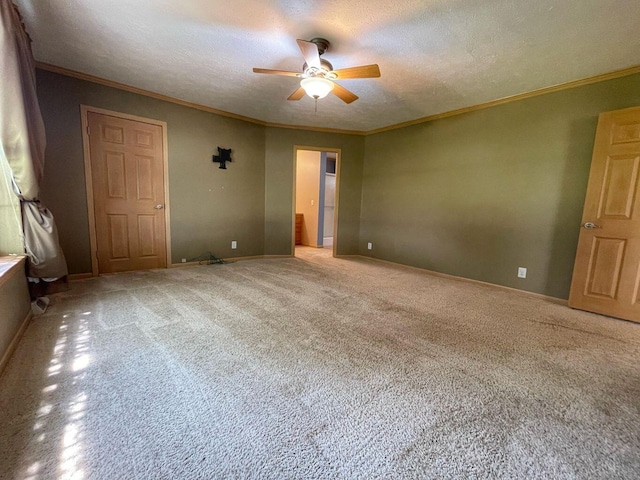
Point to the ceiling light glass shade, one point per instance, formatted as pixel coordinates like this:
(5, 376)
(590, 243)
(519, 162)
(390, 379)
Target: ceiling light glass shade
(317, 87)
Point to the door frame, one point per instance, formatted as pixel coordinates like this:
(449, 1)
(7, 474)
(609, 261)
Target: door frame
(84, 111)
(338, 153)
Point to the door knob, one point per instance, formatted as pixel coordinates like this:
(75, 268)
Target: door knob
(159, 207)
(590, 225)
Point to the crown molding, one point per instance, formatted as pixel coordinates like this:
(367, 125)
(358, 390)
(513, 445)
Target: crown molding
(493, 103)
(316, 129)
(513, 98)
(140, 91)
(148, 93)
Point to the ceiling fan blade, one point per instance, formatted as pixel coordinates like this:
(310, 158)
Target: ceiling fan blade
(275, 72)
(297, 95)
(343, 94)
(364, 71)
(310, 53)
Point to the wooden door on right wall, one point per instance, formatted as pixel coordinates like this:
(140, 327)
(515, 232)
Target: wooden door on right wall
(606, 276)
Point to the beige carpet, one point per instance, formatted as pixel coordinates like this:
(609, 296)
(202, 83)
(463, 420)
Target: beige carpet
(317, 367)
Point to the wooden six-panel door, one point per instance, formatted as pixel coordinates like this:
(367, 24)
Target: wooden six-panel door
(606, 277)
(127, 176)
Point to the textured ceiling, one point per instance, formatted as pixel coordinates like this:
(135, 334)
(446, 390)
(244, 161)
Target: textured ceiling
(434, 55)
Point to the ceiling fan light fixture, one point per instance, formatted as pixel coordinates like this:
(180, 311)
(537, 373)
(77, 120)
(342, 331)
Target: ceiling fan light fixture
(317, 87)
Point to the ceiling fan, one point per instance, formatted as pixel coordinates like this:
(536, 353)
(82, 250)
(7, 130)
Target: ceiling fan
(318, 74)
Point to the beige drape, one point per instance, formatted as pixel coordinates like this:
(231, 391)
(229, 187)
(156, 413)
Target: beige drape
(22, 141)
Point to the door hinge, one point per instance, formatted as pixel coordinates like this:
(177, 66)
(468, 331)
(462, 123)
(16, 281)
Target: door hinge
(88, 130)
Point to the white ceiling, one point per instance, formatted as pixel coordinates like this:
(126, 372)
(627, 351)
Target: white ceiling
(434, 55)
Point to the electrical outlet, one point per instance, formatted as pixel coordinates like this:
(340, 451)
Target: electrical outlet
(522, 272)
(184, 260)
(234, 245)
(369, 246)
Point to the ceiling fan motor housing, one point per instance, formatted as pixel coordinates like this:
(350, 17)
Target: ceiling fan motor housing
(312, 72)
(322, 44)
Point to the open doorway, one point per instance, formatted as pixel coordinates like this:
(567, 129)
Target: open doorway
(315, 204)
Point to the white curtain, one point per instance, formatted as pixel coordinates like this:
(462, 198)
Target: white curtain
(22, 140)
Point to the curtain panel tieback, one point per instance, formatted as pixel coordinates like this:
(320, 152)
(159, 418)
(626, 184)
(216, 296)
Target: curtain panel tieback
(23, 141)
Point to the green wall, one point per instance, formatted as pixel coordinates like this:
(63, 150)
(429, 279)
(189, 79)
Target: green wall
(210, 207)
(480, 194)
(280, 143)
(474, 195)
(248, 202)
